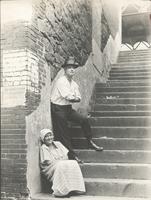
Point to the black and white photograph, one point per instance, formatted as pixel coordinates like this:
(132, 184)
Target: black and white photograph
(75, 99)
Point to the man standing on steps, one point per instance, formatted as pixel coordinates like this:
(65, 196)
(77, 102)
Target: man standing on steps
(65, 92)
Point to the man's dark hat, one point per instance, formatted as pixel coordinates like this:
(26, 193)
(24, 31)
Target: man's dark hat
(70, 61)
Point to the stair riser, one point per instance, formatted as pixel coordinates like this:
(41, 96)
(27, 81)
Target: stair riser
(10, 141)
(120, 113)
(12, 150)
(115, 132)
(6, 120)
(129, 74)
(121, 121)
(99, 107)
(119, 68)
(115, 83)
(123, 101)
(130, 70)
(116, 171)
(13, 137)
(140, 56)
(5, 132)
(13, 111)
(123, 89)
(114, 144)
(134, 59)
(130, 78)
(135, 52)
(135, 63)
(123, 95)
(13, 116)
(12, 126)
(118, 189)
(115, 156)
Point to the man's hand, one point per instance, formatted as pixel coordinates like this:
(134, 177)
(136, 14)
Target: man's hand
(47, 162)
(75, 100)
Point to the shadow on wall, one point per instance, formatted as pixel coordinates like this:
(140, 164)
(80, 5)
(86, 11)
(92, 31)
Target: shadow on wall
(105, 31)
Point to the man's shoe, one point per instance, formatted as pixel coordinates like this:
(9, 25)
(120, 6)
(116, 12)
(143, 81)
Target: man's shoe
(78, 160)
(92, 145)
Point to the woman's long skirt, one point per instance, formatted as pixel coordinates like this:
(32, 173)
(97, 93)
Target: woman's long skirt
(66, 177)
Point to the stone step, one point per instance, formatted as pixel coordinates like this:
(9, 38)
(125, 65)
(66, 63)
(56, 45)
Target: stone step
(121, 121)
(124, 89)
(10, 141)
(123, 95)
(114, 156)
(135, 52)
(115, 143)
(130, 78)
(118, 187)
(129, 58)
(121, 67)
(13, 137)
(116, 170)
(12, 126)
(15, 110)
(114, 100)
(137, 58)
(46, 196)
(125, 83)
(129, 70)
(117, 67)
(114, 132)
(134, 58)
(14, 152)
(6, 131)
(13, 146)
(120, 113)
(129, 74)
(122, 107)
(12, 120)
(134, 63)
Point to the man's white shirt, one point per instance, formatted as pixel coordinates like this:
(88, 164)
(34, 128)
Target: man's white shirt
(63, 89)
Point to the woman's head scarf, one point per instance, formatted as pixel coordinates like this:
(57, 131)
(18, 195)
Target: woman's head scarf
(43, 132)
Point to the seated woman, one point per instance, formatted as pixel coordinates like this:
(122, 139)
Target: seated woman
(65, 174)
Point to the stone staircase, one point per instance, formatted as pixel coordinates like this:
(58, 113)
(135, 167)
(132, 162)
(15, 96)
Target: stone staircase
(121, 123)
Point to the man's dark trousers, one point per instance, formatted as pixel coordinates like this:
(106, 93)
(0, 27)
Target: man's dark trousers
(61, 115)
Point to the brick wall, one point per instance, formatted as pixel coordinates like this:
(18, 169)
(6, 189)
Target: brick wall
(13, 153)
(13, 81)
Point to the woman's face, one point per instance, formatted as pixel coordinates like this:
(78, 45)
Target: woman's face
(48, 139)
